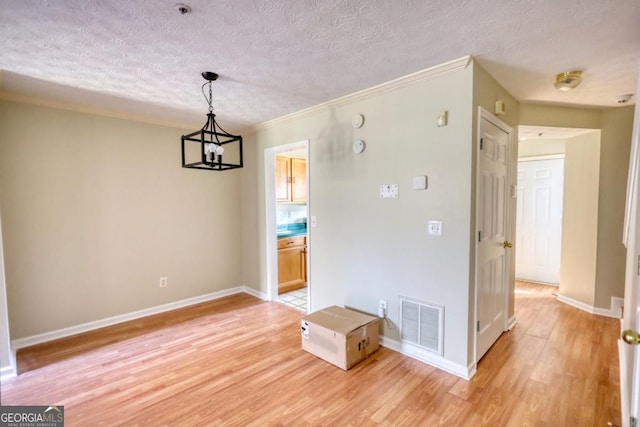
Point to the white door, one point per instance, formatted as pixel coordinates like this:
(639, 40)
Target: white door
(630, 353)
(634, 315)
(539, 220)
(492, 221)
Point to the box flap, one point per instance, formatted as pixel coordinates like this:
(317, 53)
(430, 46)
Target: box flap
(339, 319)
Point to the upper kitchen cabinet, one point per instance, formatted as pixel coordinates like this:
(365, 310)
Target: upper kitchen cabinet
(291, 180)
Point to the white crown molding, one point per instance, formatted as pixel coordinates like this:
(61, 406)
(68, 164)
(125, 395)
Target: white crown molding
(444, 68)
(78, 108)
(437, 361)
(615, 311)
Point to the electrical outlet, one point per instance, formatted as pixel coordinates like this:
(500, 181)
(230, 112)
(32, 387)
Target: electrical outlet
(163, 282)
(434, 228)
(382, 309)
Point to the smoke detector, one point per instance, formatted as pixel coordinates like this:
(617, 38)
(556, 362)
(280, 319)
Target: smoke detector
(623, 99)
(183, 8)
(568, 80)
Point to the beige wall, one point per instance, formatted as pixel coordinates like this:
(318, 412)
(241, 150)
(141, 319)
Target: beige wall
(616, 125)
(6, 356)
(559, 116)
(580, 218)
(540, 147)
(366, 248)
(95, 210)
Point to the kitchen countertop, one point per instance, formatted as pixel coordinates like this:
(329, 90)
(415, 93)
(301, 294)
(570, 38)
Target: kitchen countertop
(295, 229)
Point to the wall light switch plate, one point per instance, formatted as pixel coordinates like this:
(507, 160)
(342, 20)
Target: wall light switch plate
(388, 191)
(314, 221)
(441, 118)
(420, 182)
(435, 228)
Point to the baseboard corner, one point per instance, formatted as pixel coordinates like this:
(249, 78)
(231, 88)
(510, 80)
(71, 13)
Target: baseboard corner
(255, 293)
(431, 359)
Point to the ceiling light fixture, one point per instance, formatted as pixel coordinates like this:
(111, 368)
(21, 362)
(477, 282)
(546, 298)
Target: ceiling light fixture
(568, 80)
(211, 140)
(623, 99)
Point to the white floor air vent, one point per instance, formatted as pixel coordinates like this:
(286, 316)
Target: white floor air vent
(422, 324)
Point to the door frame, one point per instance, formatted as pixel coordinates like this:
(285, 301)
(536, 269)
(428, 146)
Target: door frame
(511, 165)
(271, 238)
(516, 227)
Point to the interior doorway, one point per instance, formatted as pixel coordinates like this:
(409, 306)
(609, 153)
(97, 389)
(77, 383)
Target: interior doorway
(493, 181)
(539, 219)
(287, 199)
(547, 193)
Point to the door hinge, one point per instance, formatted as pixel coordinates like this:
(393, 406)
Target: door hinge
(479, 236)
(638, 265)
(478, 326)
(633, 422)
(481, 143)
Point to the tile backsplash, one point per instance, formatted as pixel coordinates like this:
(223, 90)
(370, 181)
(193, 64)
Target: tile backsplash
(291, 213)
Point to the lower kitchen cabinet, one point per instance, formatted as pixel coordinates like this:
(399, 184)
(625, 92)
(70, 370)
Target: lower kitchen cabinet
(292, 263)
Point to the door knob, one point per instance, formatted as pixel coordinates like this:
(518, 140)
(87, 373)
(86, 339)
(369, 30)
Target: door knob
(507, 244)
(631, 337)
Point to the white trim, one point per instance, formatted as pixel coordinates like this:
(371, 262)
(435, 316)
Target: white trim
(11, 370)
(110, 321)
(415, 352)
(625, 376)
(271, 238)
(429, 73)
(541, 157)
(615, 311)
(255, 293)
(632, 179)
(88, 109)
(511, 323)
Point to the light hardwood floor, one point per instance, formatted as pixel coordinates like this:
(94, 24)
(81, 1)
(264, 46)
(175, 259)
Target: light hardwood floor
(237, 361)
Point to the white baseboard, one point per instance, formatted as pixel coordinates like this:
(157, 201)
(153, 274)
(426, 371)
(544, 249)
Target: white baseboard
(415, 352)
(7, 372)
(10, 371)
(90, 326)
(511, 323)
(615, 311)
(261, 295)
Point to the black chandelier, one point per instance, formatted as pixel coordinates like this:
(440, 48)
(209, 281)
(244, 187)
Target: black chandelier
(212, 141)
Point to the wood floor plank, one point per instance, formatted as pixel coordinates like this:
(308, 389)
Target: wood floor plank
(238, 361)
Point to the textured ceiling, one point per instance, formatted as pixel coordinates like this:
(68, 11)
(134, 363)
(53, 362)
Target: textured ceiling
(279, 56)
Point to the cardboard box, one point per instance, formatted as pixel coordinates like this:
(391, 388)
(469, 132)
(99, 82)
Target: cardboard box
(340, 336)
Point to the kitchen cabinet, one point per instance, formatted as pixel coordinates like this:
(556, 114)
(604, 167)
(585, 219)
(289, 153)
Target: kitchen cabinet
(292, 263)
(291, 180)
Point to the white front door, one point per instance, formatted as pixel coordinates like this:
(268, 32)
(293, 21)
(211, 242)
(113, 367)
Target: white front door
(539, 220)
(491, 231)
